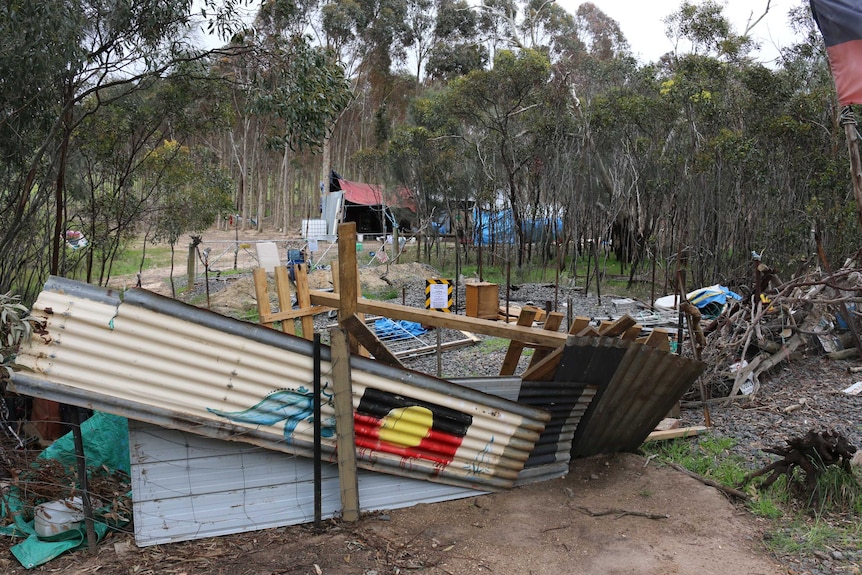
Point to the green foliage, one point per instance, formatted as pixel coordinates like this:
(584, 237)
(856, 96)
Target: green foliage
(132, 259)
(803, 535)
(16, 325)
(829, 521)
(304, 89)
(193, 190)
(71, 59)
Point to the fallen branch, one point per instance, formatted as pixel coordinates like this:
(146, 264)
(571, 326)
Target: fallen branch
(621, 513)
(723, 488)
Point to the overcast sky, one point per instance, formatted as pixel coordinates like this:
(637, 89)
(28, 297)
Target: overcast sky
(641, 22)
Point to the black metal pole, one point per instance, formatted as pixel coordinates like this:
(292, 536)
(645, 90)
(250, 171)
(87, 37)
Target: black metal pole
(83, 484)
(318, 497)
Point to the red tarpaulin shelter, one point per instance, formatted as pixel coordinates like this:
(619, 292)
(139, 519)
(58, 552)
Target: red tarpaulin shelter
(367, 204)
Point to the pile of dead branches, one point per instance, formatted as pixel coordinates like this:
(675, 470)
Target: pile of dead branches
(814, 313)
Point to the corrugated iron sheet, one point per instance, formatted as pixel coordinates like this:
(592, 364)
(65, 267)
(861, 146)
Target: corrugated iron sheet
(186, 486)
(567, 403)
(636, 386)
(154, 359)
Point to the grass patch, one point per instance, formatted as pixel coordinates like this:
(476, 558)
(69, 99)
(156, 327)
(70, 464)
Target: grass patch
(393, 293)
(128, 262)
(805, 535)
(708, 456)
(494, 344)
(797, 524)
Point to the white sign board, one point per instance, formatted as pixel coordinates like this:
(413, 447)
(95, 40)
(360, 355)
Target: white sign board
(438, 296)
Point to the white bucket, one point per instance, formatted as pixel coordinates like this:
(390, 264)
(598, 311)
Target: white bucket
(58, 516)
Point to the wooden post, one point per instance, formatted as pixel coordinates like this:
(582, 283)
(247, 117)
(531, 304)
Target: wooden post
(261, 292)
(345, 437)
(513, 354)
(282, 290)
(848, 120)
(348, 277)
(303, 298)
(191, 266)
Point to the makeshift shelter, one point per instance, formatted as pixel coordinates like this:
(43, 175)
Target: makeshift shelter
(371, 206)
(498, 227)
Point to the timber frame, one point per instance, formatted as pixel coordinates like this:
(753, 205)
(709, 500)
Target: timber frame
(350, 308)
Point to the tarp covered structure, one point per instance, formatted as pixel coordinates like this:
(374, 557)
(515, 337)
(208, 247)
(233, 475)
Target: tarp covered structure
(369, 205)
(498, 227)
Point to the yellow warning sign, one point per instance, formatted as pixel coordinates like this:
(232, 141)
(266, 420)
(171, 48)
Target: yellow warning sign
(438, 295)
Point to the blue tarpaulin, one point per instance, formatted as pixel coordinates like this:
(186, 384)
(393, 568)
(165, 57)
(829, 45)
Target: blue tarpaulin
(499, 227)
(386, 328)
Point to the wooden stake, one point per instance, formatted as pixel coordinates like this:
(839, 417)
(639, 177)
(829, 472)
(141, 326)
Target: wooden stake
(348, 280)
(345, 437)
(282, 290)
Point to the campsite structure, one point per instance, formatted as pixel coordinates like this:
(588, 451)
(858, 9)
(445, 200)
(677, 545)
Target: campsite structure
(171, 366)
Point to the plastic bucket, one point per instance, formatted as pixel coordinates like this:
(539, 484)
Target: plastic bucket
(58, 516)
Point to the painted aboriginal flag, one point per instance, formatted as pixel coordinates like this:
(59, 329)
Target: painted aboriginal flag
(840, 22)
(409, 427)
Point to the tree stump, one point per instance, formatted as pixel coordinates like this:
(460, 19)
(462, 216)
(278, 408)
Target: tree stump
(812, 452)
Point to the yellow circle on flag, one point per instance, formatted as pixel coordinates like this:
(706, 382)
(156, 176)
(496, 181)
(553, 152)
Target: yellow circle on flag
(406, 426)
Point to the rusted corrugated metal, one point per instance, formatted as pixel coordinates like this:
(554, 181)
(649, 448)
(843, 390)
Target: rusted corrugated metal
(636, 386)
(158, 360)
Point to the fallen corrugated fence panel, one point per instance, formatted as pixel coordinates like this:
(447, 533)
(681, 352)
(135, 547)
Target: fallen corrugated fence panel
(187, 486)
(636, 386)
(154, 359)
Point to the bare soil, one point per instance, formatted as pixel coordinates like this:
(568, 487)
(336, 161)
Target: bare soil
(611, 514)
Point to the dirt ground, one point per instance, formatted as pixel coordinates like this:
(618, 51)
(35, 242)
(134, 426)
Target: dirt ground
(611, 514)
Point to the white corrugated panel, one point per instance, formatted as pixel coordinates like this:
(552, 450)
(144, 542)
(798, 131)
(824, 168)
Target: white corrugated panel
(186, 487)
(153, 359)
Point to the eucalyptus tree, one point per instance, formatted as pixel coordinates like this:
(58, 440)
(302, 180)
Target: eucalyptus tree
(69, 51)
(502, 104)
(111, 194)
(302, 93)
(456, 50)
(190, 191)
(373, 34)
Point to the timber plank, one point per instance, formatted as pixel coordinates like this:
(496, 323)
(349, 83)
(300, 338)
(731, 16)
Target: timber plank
(264, 309)
(618, 327)
(552, 323)
(303, 299)
(675, 433)
(282, 290)
(513, 354)
(545, 369)
(447, 320)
